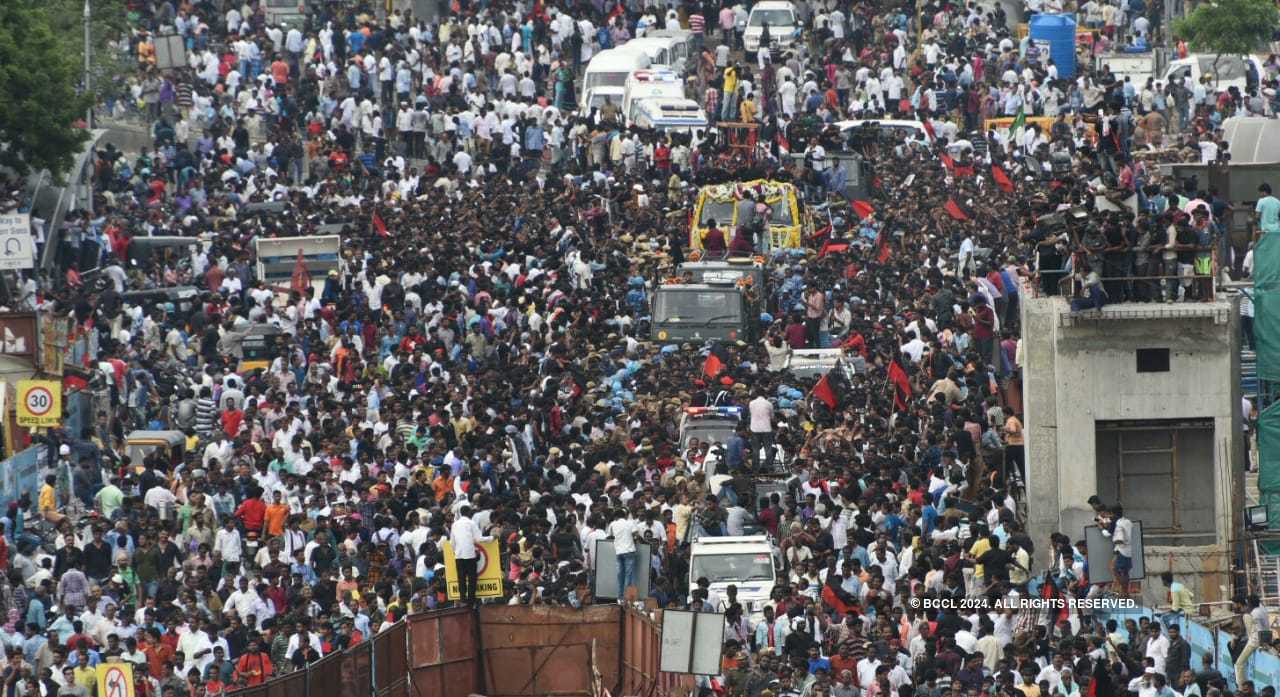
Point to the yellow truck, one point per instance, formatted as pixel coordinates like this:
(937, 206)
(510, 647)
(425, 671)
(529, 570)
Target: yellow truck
(788, 223)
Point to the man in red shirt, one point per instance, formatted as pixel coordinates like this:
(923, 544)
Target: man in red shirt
(984, 323)
(713, 241)
(232, 418)
(254, 667)
(252, 512)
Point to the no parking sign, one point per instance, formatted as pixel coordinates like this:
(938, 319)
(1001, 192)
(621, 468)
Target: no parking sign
(115, 680)
(39, 403)
(488, 571)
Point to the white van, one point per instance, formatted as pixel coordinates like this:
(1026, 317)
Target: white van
(1230, 71)
(783, 23)
(680, 47)
(914, 130)
(745, 562)
(606, 76)
(651, 82)
(668, 114)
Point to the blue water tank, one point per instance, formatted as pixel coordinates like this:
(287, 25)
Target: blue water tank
(1057, 33)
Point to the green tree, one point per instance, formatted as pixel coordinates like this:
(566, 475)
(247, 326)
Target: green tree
(39, 100)
(1228, 27)
(110, 24)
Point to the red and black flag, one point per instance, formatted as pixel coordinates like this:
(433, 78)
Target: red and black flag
(901, 385)
(829, 389)
(955, 210)
(379, 226)
(832, 247)
(863, 209)
(824, 392)
(883, 249)
(1001, 178)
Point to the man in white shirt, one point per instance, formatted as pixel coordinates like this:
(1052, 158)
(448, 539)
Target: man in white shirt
(623, 532)
(1157, 647)
(464, 536)
(226, 543)
(1122, 542)
(761, 411)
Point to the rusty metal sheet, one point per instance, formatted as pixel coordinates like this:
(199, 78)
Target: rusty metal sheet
(540, 626)
(289, 685)
(538, 670)
(356, 671)
(443, 659)
(390, 661)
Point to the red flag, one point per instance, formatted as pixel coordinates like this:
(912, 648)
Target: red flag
(830, 247)
(965, 171)
(863, 209)
(783, 144)
(954, 210)
(379, 226)
(883, 251)
(1001, 178)
(901, 383)
(947, 162)
(824, 393)
(301, 279)
(713, 365)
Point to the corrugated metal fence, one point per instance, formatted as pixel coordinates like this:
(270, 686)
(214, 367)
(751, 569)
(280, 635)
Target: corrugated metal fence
(499, 651)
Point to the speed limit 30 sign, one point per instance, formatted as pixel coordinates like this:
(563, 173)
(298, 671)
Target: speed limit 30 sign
(39, 403)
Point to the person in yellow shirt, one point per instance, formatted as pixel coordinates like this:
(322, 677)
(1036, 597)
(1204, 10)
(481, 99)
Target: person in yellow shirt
(747, 110)
(980, 547)
(48, 502)
(729, 111)
(86, 676)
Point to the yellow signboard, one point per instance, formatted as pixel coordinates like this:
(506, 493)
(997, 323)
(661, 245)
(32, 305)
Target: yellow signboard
(488, 571)
(39, 403)
(115, 680)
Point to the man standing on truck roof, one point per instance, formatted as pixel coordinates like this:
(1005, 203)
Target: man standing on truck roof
(761, 411)
(623, 530)
(1268, 210)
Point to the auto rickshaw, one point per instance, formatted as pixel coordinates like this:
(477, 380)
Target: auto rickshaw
(258, 348)
(140, 444)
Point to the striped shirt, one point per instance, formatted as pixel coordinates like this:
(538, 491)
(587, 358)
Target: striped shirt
(697, 24)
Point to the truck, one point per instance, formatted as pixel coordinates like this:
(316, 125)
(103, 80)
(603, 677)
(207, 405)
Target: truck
(787, 220)
(811, 364)
(278, 259)
(1138, 67)
(730, 269)
(708, 424)
(746, 562)
(699, 312)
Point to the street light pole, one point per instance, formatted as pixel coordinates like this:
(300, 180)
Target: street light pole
(88, 90)
(88, 48)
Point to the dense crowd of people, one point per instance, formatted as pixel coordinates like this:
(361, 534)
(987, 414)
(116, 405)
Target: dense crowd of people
(478, 364)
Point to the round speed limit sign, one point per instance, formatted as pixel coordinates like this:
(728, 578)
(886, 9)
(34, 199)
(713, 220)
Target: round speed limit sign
(39, 401)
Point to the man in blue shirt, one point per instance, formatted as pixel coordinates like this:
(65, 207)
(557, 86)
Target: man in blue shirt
(735, 451)
(1267, 210)
(817, 662)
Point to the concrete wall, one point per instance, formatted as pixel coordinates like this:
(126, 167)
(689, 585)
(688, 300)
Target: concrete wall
(1080, 368)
